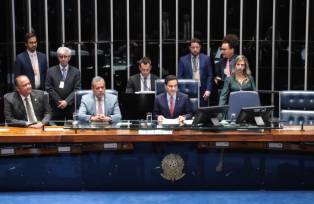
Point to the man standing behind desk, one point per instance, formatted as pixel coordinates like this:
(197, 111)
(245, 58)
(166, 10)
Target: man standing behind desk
(144, 81)
(26, 107)
(197, 66)
(31, 63)
(62, 82)
(98, 106)
(225, 67)
(172, 103)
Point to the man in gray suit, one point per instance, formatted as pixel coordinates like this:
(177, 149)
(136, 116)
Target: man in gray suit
(61, 83)
(26, 107)
(98, 106)
(144, 81)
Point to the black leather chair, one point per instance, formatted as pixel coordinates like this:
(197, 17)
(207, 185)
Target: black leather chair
(296, 107)
(80, 93)
(187, 86)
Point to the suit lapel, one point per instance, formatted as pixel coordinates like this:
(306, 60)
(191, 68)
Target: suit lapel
(106, 102)
(166, 103)
(201, 61)
(176, 105)
(35, 104)
(28, 62)
(189, 63)
(20, 105)
(138, 82)
(93, 105)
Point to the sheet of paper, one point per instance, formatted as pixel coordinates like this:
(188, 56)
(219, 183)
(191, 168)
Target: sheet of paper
(188, 122)
(170, 122)
(54, 129)
(155, 132)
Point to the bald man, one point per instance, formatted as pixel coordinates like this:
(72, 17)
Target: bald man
(26, 107)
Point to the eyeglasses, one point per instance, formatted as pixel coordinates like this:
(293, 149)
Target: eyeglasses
(223, 49)
(63, 56)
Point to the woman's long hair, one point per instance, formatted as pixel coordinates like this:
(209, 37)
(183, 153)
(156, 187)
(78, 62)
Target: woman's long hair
(247, 71)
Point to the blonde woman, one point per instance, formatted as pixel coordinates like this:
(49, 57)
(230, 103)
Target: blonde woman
(240, 80)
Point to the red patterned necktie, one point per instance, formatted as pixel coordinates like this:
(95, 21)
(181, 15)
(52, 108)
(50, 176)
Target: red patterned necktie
(171, 106)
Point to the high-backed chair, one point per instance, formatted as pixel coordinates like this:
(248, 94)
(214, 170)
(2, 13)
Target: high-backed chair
(78, 96)
(296, 107)
(187, 86)
(240, 99)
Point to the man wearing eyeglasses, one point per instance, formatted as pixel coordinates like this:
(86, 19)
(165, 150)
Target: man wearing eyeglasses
(61, 83)
(225, 66)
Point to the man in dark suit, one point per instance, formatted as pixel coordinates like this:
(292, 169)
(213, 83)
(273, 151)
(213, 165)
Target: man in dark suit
(26, 107)
(62, 82)
(225, 66)
(197, 66)
(31, 63)
(144, 81)
(172, 104)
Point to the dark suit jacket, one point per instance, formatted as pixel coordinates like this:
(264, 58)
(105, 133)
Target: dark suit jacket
(206, 70)
(23, 66)
(14, 109)
(182, 106)
(72, 83)
(134, 83)
(220, 66)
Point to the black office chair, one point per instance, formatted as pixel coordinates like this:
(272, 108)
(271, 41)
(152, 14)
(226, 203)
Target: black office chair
(241, 99)
(296, 107)
(187, 86)
(78, 96)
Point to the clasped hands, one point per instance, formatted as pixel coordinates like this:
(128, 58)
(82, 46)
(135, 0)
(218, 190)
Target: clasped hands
(180, 119)
(100, 118)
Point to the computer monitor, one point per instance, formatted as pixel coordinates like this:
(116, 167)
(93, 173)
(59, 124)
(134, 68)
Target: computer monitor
(258, 115)
(209, 116)
(134, 106)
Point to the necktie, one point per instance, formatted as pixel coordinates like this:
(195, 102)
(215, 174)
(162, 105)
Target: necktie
(171, 106)
(194, 64)
(100, 108)
(30, 113)
(35, 69)
(34, 64)
(227, 69)
(145, 84)
(64, 74)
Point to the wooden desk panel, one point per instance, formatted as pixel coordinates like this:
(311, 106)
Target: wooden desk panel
(27, 135)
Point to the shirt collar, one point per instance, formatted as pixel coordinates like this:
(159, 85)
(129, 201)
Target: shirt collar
(142, 77)
(66, 67)
(102, 98)
(196, 57)
(168, 97)
(31, 53)
(23, 97)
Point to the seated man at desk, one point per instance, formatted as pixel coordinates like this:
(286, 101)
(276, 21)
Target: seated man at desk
(26, 107)
(172, 104)
(98, 106)
(144, 81)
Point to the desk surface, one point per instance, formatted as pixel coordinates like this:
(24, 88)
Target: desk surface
(59, 135)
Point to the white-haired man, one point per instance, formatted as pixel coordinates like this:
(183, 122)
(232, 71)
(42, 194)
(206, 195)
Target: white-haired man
(61, 83)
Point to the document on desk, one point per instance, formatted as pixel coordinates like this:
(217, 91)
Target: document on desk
(48, 129)
(170, 121)
(4, 129)
(188, 122)
(155, 132)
